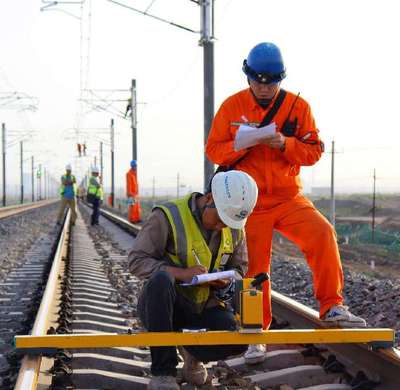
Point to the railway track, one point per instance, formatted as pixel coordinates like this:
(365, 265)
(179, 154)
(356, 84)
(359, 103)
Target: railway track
(11, 211)
(91, 291)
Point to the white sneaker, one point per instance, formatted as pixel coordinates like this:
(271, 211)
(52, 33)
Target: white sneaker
(256, 353)
(339, 316)
(163, 382)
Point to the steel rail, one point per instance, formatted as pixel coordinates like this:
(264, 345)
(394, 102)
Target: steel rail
(382, 365)
(122, 222)
(9, 211)
(30, 365)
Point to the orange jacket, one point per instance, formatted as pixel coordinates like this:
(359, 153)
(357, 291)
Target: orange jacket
(131, 183)
(276, 172)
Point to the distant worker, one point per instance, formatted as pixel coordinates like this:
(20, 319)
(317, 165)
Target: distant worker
(80, 150)
(84, 148)
(274, 161)
(132, 193)
(190, 236)
(95, 195)
(68, 194)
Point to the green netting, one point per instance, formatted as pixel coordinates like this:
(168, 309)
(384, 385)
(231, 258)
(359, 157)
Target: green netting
(362, 234)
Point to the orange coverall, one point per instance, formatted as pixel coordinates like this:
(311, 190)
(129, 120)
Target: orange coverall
(280, 204)
(132, 191)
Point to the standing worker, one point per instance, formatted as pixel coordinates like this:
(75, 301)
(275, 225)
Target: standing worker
(274, 162)
(132, 193)
(95, 195)
(181, 239)
(68, 194)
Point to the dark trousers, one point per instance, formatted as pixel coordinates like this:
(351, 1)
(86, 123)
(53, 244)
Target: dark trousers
(162, 309)
(96, 211)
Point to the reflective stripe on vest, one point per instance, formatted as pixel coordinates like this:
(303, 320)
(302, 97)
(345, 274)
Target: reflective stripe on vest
(188, 239)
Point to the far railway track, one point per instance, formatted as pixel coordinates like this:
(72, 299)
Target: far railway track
(91, 291)
(10, 211)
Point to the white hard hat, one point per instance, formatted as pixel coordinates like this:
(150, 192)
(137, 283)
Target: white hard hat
(95, 170)
(235, 195)
(68, 167)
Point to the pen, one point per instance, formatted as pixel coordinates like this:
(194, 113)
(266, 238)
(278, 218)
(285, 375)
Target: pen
(196, 257)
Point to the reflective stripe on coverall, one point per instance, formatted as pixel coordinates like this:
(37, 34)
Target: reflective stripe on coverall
(280, 205)
(189, 243)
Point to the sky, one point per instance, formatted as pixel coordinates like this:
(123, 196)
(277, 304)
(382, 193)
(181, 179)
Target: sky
(342, 56)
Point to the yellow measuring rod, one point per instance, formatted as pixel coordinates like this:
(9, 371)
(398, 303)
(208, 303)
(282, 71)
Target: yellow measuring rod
(383, 338)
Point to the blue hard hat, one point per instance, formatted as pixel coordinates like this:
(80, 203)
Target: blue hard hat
(264, 64)
(133, 164)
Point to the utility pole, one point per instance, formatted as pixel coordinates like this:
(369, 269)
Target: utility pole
(95, 161)
(3, 137)
(333, 211)
(133, 119)
(112, 163)
(22, 170)
(206, 40)
(33, 178)
(373, 208)
(101, 162)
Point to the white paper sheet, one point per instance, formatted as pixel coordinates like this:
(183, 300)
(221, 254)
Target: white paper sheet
(204, 278)
(247, 136)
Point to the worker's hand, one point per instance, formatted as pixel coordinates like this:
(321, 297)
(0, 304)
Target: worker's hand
(186, 274)
(218, 284)
(193, 271)
(276, 141)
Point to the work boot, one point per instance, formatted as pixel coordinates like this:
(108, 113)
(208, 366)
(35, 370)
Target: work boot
(256, 353)
(339, 316)
(164, 382)
(193, 370)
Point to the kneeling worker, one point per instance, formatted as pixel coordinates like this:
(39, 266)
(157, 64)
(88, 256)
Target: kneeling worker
(181, 239)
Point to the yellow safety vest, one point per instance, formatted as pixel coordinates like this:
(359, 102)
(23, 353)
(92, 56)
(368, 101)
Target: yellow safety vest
(93, 189)
(62, 188)
(189, 242)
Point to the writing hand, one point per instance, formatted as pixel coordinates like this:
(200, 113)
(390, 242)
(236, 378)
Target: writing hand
(186, 274)
(276, 141)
